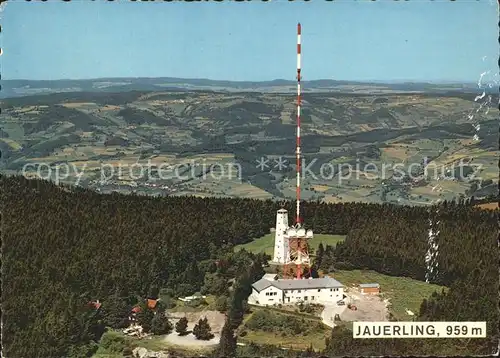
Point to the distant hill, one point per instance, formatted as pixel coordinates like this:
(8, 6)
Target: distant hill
(16, 88)
(177, 127)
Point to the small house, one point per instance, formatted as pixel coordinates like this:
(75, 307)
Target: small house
(370, 288)
(95, 304)
(152, 303)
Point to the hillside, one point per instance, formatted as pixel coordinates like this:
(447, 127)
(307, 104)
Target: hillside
(122, 248)
(356, 146)
(14, 88)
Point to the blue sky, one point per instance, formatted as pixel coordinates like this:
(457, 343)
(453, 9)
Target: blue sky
(345, 40)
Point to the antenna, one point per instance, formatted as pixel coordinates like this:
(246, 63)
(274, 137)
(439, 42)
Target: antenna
(297, 219)
(297, 237)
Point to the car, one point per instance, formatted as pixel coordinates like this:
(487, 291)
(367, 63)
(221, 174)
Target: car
(340, 303)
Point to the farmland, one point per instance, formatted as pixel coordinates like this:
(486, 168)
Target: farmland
(367, 147)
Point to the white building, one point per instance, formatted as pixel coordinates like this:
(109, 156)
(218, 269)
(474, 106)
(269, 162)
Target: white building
(292, 291)
(280, 242)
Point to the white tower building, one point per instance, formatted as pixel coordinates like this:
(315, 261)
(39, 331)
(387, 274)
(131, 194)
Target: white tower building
(280, 242)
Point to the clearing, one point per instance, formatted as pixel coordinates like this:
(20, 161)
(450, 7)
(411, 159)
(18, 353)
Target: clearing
(188, 343)
(266, 243)
(152, 343)
(488, 206)
(11, 143)
(215, 320)
(402, 293)
(247, 191)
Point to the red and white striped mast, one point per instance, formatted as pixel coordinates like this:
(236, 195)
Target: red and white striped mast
(297, 219)
(298, 254)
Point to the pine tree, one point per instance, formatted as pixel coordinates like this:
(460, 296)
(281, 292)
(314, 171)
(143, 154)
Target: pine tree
(181, 326)
(227, 343)
(160, 324)
(202, 330)
(116, 311)
(319, 256)
(145, 317)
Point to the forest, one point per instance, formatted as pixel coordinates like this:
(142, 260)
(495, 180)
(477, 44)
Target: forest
(64, 247)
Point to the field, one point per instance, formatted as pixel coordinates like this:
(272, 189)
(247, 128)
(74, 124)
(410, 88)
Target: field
(488, 206)
(241, 129)
(403, 293)
(266, 243)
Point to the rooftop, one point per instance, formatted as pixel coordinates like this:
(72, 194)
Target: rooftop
(270, 276)
(297, 284)
(369, 285)
(152, 303)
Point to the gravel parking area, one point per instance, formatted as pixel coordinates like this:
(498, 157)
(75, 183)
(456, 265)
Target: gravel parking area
(370, 308)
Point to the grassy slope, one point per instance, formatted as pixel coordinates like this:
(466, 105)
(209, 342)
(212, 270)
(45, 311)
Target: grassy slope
(403, 293)
(292, 342)
(316, 338)
(266, 243)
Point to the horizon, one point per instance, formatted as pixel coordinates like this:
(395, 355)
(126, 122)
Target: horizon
(374, 81)
(382, 42)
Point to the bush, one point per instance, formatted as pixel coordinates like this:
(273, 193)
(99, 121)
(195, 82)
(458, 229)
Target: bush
(307, 308)
(277, 323)
(167, 298)
(128, 352)
(221, 304)
(113, 343)
(86, 350)
(197, 302)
